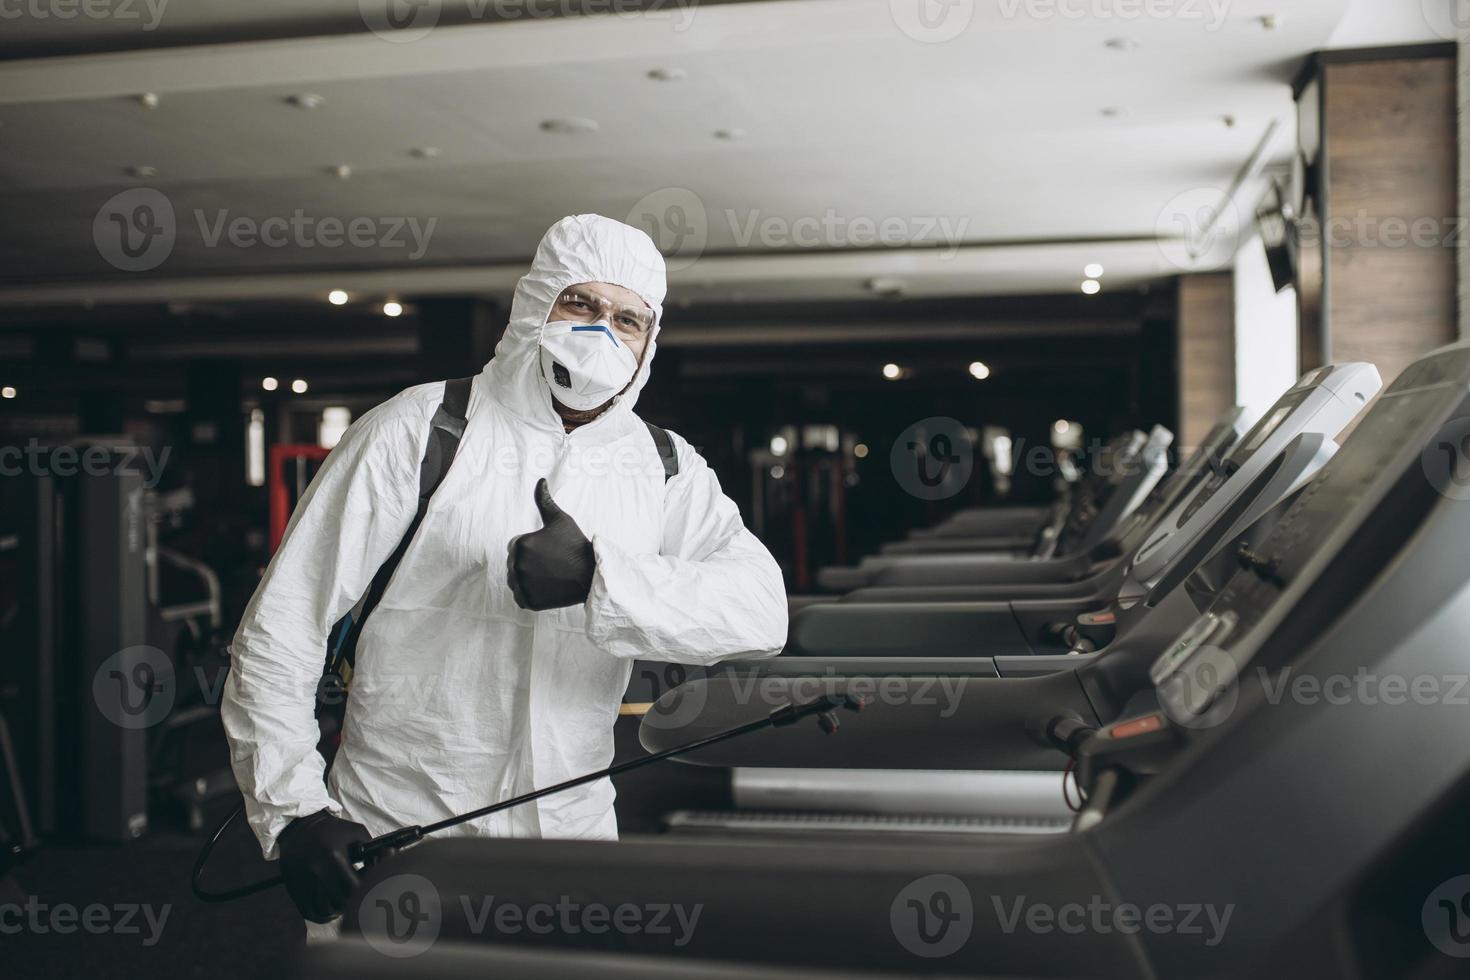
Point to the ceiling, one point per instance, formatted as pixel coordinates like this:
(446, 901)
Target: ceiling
(811, 149)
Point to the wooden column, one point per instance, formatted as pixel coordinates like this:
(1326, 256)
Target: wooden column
(1379, 143)
(1206, 354)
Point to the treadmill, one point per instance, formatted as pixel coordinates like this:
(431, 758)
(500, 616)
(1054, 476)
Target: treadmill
(1142, 463)
(1288, 445)
(1136, 464)
(1218, 800)
(1317, 399)
(1074, 564)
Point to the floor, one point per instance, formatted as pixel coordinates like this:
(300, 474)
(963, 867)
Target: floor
(249, 938)
(125, 885)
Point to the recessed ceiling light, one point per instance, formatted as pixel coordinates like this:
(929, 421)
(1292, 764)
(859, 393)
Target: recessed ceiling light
(668, 74)
(148, 100)
(143, 171)
(305, 100)
(7, 392)
(730, 134)
(1091, 286)
(299, 386)
(572, 125)
(892, 372)
(425, 152)
(269, 383)
(338, 297)
(341, 171)
(1092, 270)
(392, 308)
(979, 370)
(1122, 43)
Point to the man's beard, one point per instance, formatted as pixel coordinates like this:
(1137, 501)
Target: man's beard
(573, 417)
(580, 416)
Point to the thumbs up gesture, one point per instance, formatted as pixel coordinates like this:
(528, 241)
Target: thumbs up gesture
(552, 567)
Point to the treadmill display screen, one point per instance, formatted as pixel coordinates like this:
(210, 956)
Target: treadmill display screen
(1254, 439)
(1388, 440)
(1263, 432)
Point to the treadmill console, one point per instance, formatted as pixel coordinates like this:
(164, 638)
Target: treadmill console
(1323, 401)
(1328, 513)
(1254, 439)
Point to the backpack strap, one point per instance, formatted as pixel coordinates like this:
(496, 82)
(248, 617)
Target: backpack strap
(666, 452)
(446, 429)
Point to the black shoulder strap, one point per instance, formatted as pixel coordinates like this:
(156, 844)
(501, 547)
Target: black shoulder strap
(447, 427)
(666, 451)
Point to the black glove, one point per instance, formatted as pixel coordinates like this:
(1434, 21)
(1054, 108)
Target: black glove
(319, 875)
(552, 567)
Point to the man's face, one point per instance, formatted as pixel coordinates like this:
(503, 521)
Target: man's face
(601, 302)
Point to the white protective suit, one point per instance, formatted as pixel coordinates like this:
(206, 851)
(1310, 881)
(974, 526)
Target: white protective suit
(460, 697)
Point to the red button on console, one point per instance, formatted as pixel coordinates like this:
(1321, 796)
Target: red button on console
(1137, 726)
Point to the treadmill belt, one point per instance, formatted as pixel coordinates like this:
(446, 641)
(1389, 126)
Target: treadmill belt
(800, 822)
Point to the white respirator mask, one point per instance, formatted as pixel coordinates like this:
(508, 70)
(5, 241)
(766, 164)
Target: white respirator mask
(584, 364)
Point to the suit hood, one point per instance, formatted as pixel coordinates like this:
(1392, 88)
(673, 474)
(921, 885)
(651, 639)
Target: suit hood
(577, 249)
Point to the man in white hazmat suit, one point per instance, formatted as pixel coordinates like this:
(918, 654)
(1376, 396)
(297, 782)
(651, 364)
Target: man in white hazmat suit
(556, 501)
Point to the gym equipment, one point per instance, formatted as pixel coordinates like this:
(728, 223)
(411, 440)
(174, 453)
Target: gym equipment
(1324, 400)
(1275, 458)
(1135, 464)
(80, 691)
(1067, 572)
(1365, 575)
(1084, 520)
(17, 834)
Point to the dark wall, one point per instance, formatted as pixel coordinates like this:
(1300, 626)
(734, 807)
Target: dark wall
(727, 377)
